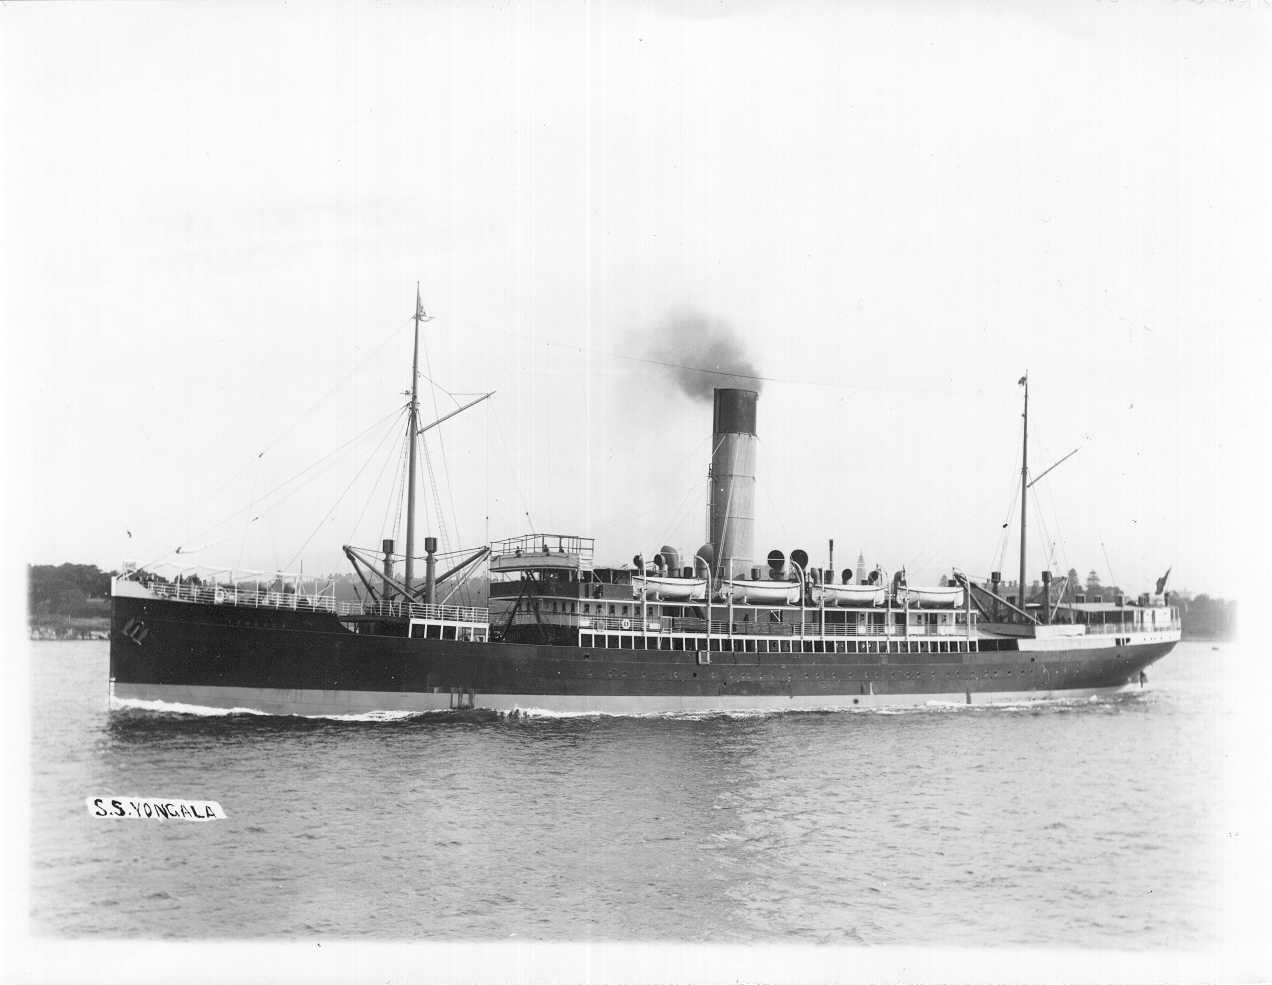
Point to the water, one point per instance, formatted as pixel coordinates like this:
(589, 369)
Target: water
(1088, 824)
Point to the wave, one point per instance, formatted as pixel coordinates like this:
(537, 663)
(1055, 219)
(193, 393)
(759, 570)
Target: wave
(177, 708)
(208, 711)
(930, 707)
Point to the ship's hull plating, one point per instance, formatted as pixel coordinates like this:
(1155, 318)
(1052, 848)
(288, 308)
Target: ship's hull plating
(308, 663)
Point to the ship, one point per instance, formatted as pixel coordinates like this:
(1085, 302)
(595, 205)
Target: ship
(712, 632)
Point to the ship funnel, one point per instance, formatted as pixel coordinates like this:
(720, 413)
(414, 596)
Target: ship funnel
(732, 506)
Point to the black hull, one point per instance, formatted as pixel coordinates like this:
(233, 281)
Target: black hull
(277, 659)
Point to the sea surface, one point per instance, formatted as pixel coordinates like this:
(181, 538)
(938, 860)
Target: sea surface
(1088, 823)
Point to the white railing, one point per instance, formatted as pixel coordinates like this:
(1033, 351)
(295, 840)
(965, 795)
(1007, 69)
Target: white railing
(314, 602)
(416, 610)
(1125, 629)
(259, 598)
(666, 625)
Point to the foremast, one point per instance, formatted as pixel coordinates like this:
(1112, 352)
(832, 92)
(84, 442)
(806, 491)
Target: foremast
(1024, 499)
(412, 431)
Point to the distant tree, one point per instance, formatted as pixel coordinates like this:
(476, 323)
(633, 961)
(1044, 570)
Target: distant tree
(66, 589)
(1209, 618)
(1093, 586)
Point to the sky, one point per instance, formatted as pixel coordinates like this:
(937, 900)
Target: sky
(216, 215)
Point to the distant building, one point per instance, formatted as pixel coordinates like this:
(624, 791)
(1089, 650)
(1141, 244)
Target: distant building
(861, 567)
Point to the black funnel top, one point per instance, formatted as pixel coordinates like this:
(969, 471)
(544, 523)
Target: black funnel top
(734, 411)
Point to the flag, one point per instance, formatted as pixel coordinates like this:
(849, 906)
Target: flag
(1023, 380)
(1161, 582)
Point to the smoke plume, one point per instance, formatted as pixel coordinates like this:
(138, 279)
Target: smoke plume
(701, 352)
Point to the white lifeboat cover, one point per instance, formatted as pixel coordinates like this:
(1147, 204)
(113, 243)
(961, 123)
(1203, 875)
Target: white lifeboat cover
(852, 594)
(746, 591)
(672, 589)
(941, 595)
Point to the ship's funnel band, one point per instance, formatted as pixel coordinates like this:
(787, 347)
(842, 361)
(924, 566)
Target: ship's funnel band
(734, 412)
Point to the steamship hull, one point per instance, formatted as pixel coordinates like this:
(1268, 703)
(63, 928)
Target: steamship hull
(309, 663)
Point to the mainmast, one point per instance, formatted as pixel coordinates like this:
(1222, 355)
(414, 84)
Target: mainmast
(412, 428)
(1024, 485)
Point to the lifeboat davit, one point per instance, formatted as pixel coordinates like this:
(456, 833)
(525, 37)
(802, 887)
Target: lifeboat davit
(669, 589)
(850, 594)
(760, 592)
(952, 595)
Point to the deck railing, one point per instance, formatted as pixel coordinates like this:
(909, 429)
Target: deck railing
(662, 625)
(1123, 628)
(314, 602)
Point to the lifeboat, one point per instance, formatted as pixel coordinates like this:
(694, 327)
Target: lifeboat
(850, 594)
(671, 589)
(952, 595)
(756, 592)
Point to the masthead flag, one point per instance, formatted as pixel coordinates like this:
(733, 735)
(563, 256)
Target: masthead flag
(1161, 582)
(1023, 380)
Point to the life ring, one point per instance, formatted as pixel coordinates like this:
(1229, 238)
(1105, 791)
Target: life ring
(626, 624)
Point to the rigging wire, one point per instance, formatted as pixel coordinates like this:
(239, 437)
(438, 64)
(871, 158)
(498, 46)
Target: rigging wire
(252, 506)
(277, 439)
(330, 513)
(1108, 565)
(371, 496)
(928, 385)
(1005, 533)
(1064, 547)
(786, 534)
(397, 412)
(450, 487)
(1049, 545)
(442, 532)
(374, 350)
(691, 487)
(677, 467)
(394, 502)
(508, 457)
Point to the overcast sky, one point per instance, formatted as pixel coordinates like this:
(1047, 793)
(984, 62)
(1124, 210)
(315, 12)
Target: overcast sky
(215, 216)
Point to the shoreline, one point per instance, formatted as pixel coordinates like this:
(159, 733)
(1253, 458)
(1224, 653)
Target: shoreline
(70, 628)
